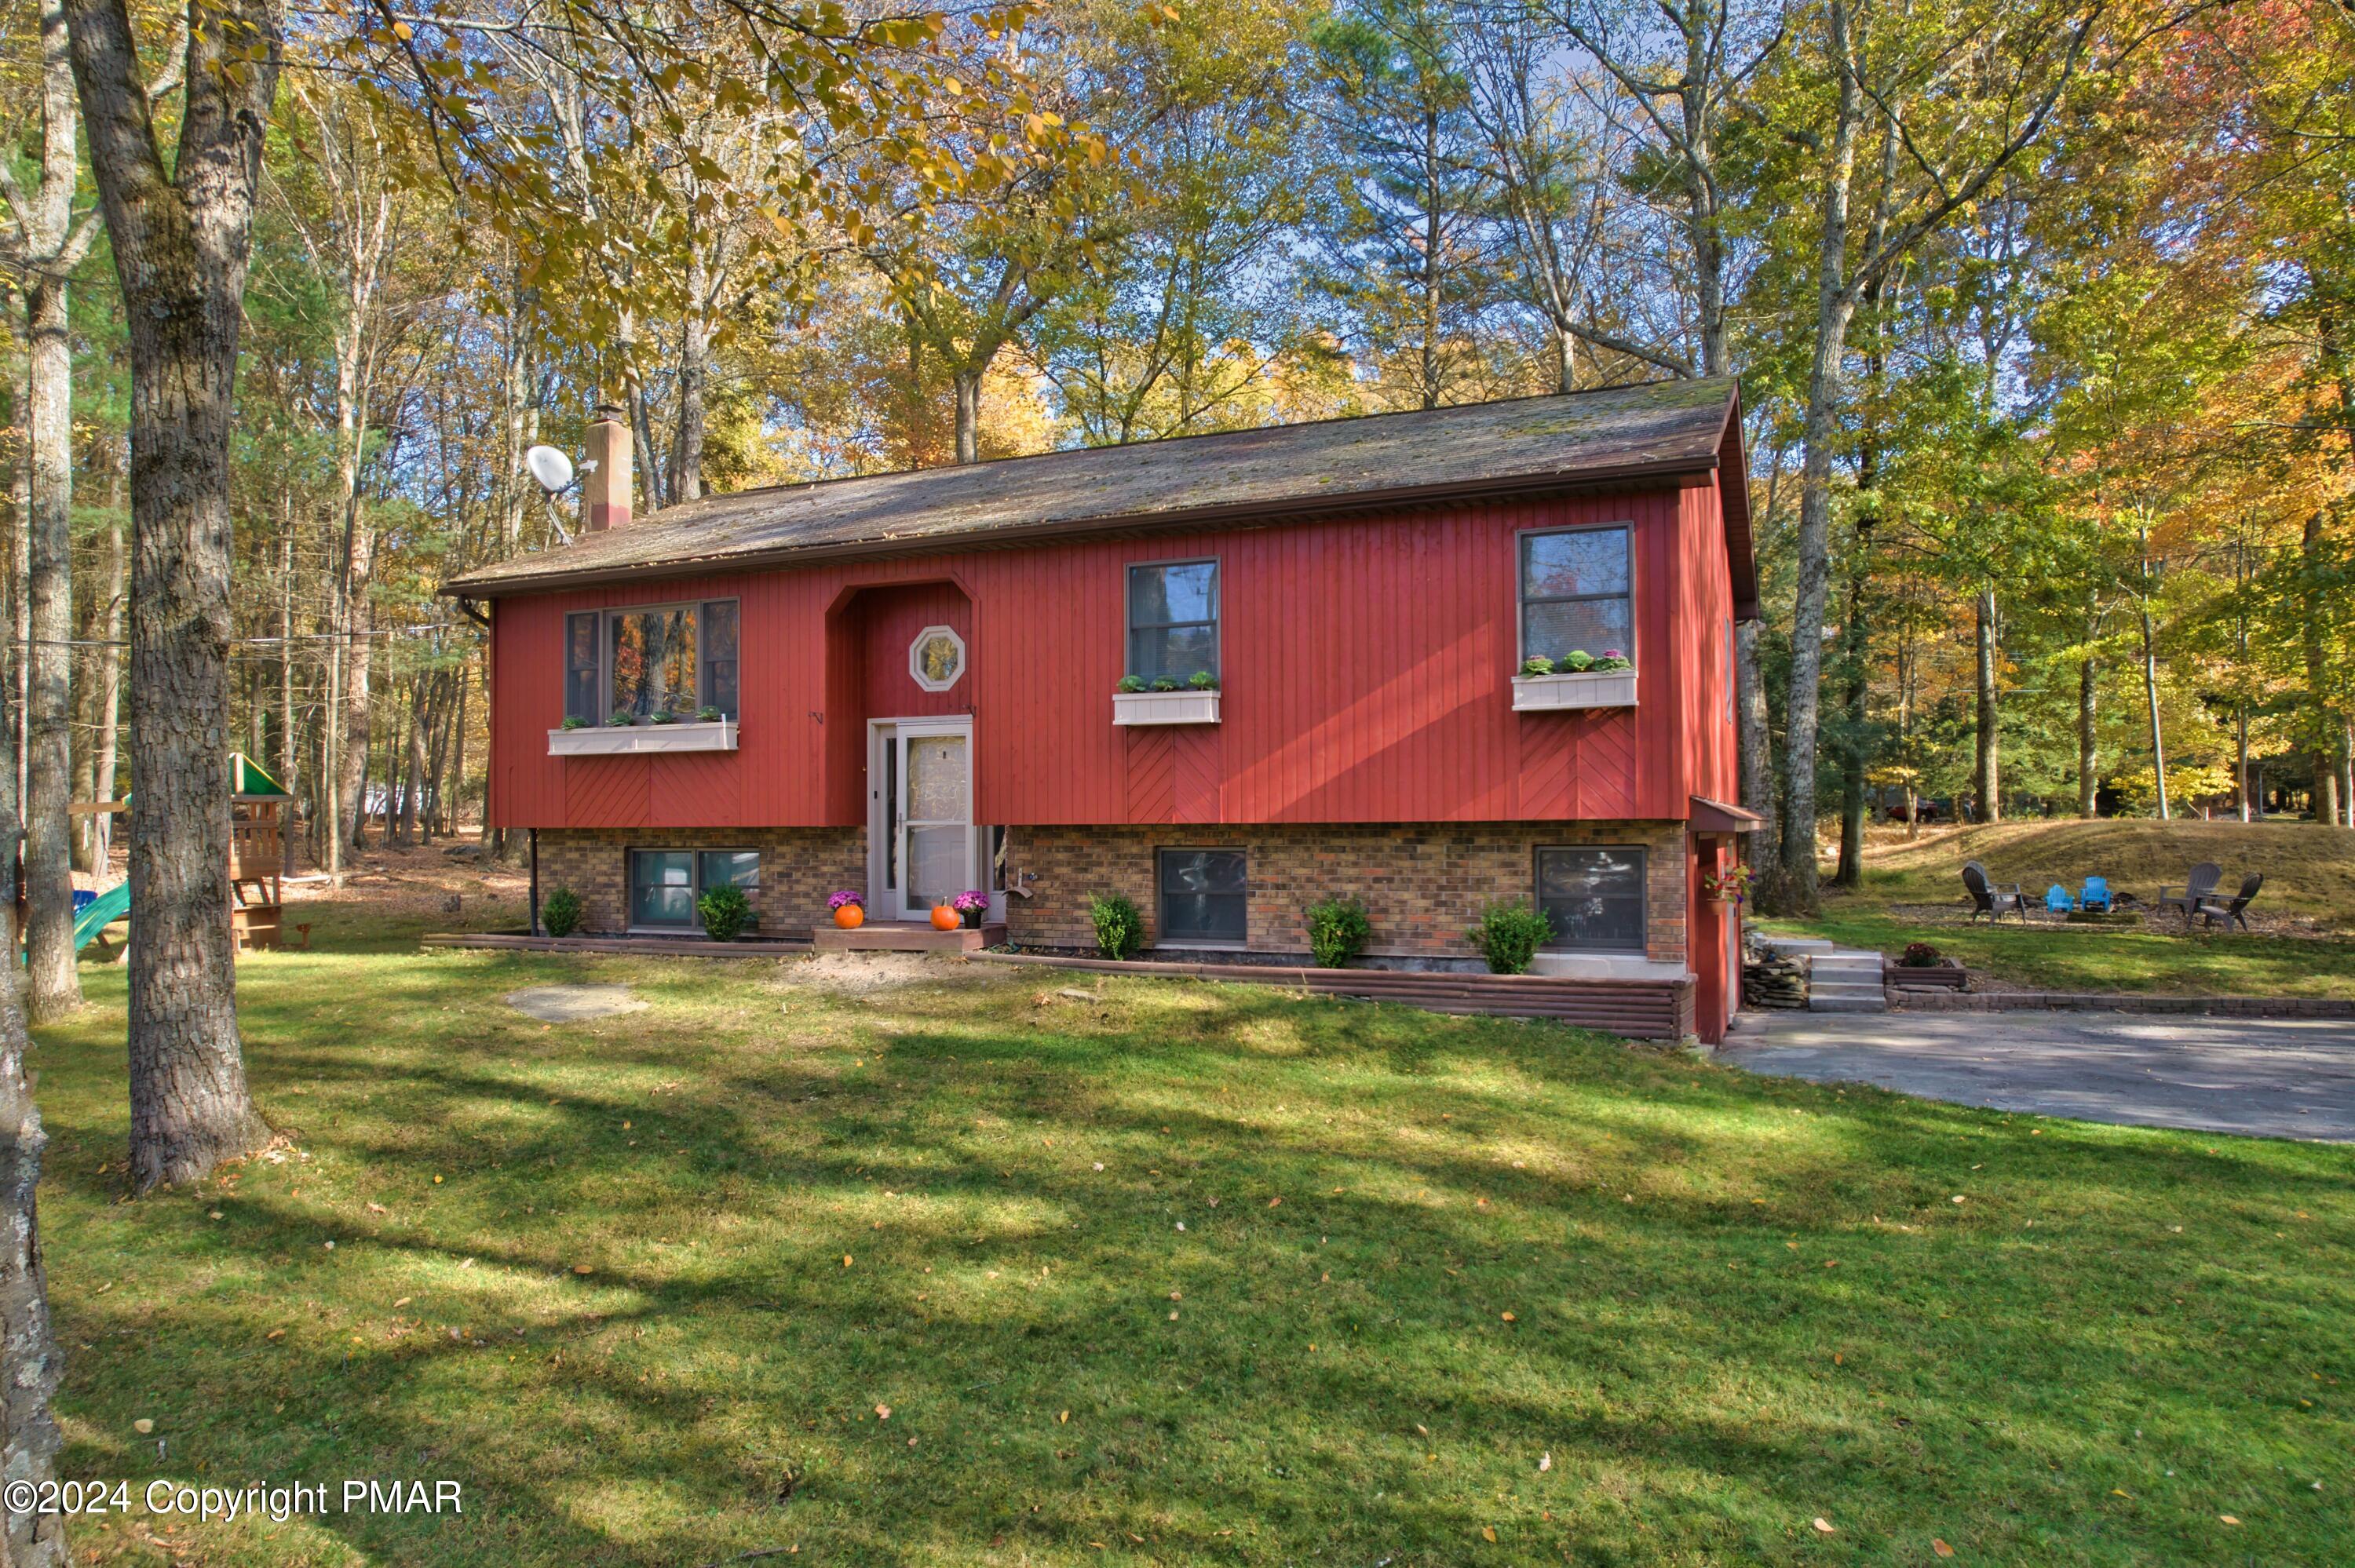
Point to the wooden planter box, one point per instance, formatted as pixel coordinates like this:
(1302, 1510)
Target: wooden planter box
(1165, 707)
(1563, 693)
(618, 740)
(1943, 975)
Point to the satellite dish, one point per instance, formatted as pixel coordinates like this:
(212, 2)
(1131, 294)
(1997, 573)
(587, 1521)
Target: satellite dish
(551, 467)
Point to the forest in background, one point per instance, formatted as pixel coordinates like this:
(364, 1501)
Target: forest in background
(2040, 313)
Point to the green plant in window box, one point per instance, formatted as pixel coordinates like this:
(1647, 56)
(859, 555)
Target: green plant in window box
(665, 717)
(1574, 662)
(560, 913)
(1132, 684)
(1164, 683)
(725, 913)
(1338, 930)
(1120, 929)
(1537, 664)
(706, 713)
(1203, 681)
(1612, 659)
(1509, 934)
(573, 721)
(622, 720)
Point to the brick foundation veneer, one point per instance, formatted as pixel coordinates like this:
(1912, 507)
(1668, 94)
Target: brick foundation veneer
(1421, 883)
(799, 868)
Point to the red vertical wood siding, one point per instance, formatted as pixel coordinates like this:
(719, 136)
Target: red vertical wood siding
(1366, 661)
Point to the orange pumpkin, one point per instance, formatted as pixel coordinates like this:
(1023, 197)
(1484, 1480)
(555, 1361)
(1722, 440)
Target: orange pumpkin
(945, 918)
(850, 917)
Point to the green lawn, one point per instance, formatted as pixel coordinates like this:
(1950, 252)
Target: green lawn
(2073, 958)
(1437, 1279)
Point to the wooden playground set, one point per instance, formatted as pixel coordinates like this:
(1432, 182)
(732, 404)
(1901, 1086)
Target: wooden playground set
(257, 865)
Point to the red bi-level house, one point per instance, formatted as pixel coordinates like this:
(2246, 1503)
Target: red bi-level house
(910, 684)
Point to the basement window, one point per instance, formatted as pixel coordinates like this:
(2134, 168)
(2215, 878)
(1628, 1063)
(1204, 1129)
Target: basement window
(1593, 897)
(666, 882)
(1203, 897)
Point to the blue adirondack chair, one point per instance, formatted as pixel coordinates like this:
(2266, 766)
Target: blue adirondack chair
(2096, 896)
(2057, 899)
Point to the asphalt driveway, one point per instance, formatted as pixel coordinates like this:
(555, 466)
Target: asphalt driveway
(2267, 1077)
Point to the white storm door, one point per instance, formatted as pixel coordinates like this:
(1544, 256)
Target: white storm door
(935, 814)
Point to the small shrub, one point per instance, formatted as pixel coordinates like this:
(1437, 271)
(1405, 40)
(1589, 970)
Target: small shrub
(1165, 683)
(725, 912)
(1577, 659)
(1203, 681)
(1339, 931)
(1120, 929)
(1537, 664)
(622, 720)
(560, 913)
(709, 715)
(1920, 956)
(574, 721)
(1509, 934)
(1132, 682)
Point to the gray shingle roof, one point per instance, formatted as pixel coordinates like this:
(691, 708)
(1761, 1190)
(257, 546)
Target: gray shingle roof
(1515, 447)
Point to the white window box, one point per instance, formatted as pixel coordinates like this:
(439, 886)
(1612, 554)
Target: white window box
(1575, 689)
(1165, 707)
(618, 740)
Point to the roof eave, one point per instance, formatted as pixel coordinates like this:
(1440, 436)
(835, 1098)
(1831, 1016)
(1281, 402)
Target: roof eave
(1686, 470)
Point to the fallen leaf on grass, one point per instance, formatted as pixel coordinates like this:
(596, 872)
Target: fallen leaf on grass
(1941, 1548)
(1487, 1532)
(1508, 1316)
(583, 1269)
(883, 1413)
(142, 1426)
(1823, 1524)
(375, 1208)
(1545, 1463)
(2228, 1519)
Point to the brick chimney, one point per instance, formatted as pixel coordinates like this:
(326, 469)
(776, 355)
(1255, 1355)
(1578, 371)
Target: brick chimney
(605, 492)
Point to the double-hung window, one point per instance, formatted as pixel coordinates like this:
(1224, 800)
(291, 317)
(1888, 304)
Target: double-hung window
(676, 659)
(666, 882)
(1172, 619)
(1575, 595)
(1593, 897)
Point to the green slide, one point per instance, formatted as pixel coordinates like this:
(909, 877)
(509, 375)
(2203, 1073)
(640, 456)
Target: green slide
(103, 911)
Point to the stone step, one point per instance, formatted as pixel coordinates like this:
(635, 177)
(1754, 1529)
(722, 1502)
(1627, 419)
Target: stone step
(1843, 988)
(1848, 1004)
(1791, 947)
(1862, 963)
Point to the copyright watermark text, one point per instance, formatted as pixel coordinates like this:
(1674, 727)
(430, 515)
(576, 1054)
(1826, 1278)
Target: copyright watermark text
(276, 1502)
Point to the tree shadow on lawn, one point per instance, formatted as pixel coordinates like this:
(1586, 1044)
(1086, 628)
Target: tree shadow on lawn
(1672, 1354)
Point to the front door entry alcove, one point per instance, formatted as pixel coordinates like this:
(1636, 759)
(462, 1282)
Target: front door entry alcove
(922, 846)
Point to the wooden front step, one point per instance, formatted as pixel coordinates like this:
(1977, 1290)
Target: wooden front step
(906, 937)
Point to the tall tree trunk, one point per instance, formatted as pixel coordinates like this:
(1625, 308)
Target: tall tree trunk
(2320, 725)
(1855, 689)
(1835, 306)
(967, 385)
(1987, 768)
(30, 1363)
(412, 782)
(2088, 693)
(1756, 741)
(286, 753)
(2150, 699)
(52, 990)
(110, 698)
(694, 379)
(180, 238)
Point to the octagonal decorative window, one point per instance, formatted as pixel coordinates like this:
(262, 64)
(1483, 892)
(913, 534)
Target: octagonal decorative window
(936, 658)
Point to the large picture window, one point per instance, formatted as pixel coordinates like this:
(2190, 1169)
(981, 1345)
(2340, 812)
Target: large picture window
(677, 659)
(1172, 619)
(1593, 897)
(666, 882)
(1575, 595)
(1202, 896)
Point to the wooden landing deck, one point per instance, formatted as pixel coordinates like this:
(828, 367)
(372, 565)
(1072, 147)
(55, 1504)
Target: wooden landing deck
(906, 937)
(643, 946)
